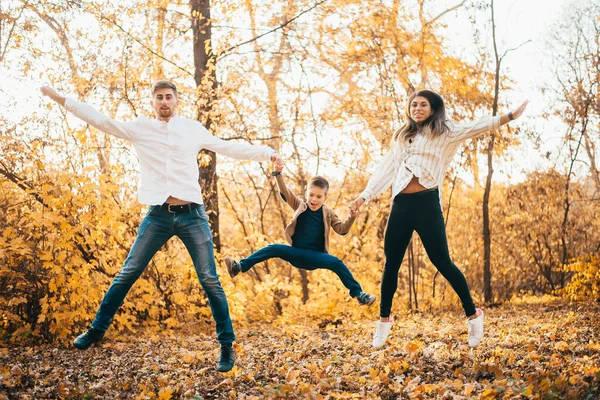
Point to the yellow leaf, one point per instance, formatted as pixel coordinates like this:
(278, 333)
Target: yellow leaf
(469, 389)
(291, 376)
(413, 347)
(573, 380)
(545, 384)
(313, 396)
(489, 394)
(457, 384)
(373, 372)
(163, 380)
(165, 393)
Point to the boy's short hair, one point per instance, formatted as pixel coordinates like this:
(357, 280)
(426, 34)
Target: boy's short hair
(164, 85)
(320, 182)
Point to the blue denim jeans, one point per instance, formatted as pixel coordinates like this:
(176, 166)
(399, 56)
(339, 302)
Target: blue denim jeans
(305, 259)
(155, 230)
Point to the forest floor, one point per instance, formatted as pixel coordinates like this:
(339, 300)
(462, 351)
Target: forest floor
(536, 349)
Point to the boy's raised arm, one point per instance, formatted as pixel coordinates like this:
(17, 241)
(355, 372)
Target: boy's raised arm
(290, 198)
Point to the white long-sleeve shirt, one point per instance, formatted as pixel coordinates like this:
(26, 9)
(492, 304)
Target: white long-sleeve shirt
(425, 156)
(167, 151)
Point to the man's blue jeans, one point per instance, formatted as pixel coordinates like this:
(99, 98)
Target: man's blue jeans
(305, 259)
(155, 230)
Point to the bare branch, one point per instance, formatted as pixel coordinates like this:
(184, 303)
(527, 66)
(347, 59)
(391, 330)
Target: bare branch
(137, 40)
(12, 28)
(226, 52)
(62, 36)
(514, 48)
(446, 12)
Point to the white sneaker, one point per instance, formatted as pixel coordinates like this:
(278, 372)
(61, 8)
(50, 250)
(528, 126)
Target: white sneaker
(381, 333)
(475, 328)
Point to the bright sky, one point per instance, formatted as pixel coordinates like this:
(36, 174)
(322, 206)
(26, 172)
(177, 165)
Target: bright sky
(517, 22)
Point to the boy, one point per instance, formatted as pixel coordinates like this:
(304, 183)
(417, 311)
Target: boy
(308, 234)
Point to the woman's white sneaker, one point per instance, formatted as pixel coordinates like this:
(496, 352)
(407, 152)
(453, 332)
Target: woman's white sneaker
(475, 328)
(381, 333)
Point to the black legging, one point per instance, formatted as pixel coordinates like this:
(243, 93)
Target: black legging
(419, 212)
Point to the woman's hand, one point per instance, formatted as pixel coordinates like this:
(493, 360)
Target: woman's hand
(519, 110)
(53, 94)
(355, 205)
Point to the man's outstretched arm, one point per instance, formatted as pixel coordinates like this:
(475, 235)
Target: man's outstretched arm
(90, 115)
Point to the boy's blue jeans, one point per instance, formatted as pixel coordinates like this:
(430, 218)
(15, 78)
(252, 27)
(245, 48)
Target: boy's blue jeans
(155, 230)
(305, 259)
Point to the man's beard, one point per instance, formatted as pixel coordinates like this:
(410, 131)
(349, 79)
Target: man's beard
(165, 113)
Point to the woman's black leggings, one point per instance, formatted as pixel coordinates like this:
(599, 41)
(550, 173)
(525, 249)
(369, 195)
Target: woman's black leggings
(419, 212)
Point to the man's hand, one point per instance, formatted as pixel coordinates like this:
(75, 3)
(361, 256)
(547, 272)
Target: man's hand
(53, 94)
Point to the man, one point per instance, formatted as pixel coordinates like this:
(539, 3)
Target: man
(167, 148)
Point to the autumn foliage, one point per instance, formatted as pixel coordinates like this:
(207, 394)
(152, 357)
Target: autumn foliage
(537, 348)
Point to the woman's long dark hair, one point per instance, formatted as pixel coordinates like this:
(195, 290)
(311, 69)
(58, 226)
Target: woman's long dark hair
(435, 124)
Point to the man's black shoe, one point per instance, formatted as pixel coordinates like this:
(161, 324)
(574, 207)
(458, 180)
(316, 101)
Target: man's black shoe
(85, 340)
(227, 359)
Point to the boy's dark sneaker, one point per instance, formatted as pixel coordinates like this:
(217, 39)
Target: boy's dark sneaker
(88, 338)
(233, 267)
(366, 299)
(227, 358)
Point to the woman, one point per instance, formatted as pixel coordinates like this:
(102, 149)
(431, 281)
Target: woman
(415, 167)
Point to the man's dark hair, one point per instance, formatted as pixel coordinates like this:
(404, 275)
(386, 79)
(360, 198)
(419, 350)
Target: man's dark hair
(164, 85)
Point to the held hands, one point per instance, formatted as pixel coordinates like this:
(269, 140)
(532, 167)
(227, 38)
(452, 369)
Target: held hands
(278, 167)
(277, 162)
(355, 205)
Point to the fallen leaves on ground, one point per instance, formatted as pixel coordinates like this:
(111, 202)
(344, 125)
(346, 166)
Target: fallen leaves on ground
(535, 350)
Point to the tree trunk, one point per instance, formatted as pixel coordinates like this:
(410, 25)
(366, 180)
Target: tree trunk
(564, 237)
(206, 80)
(158, 72)
(487, 234)
(304, 281)
(413, 302)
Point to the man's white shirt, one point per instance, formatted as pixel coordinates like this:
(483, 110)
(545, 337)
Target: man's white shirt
(167, 151)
